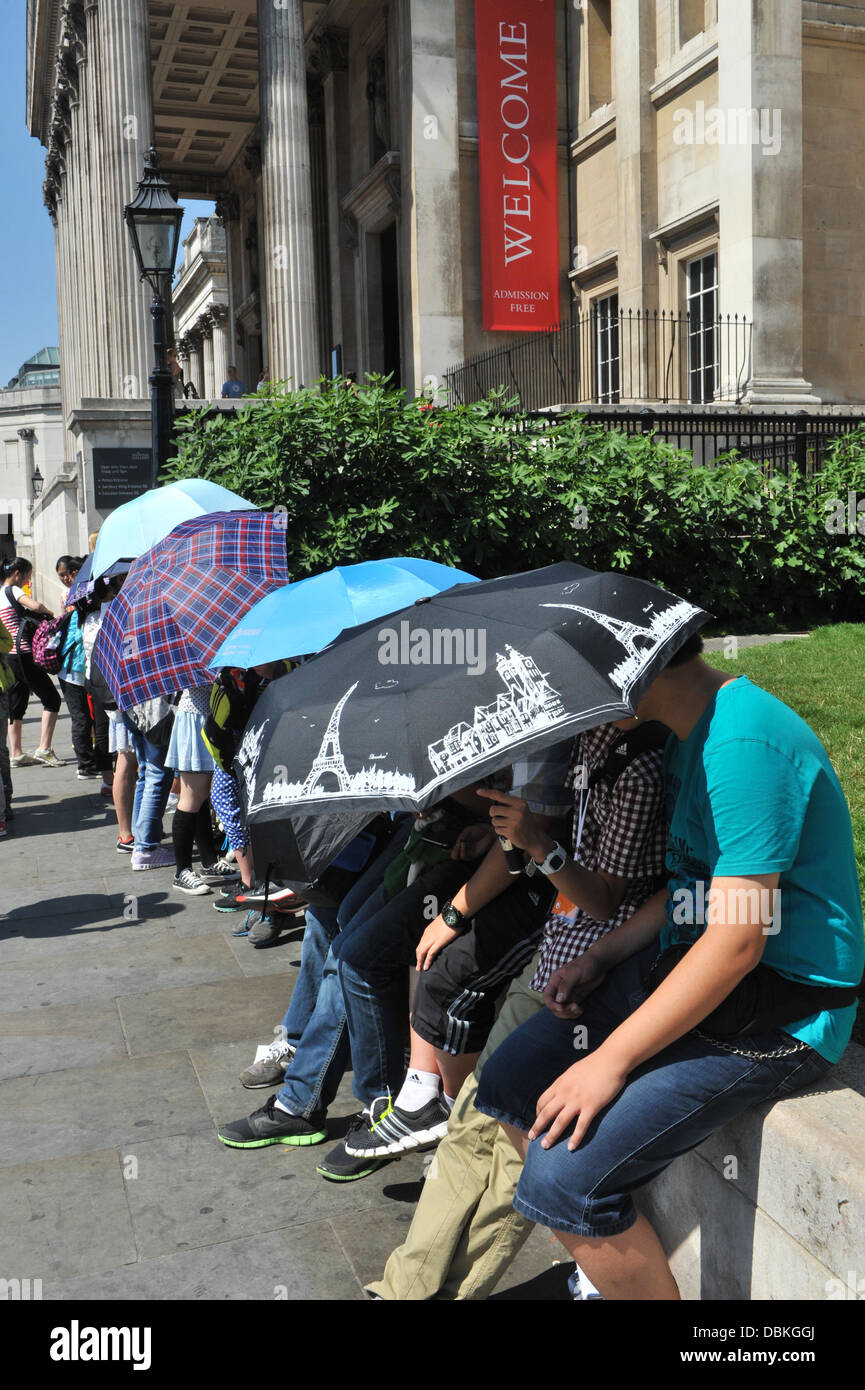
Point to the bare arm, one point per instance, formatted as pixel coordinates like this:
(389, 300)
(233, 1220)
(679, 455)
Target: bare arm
(730, 947)
(597, 892)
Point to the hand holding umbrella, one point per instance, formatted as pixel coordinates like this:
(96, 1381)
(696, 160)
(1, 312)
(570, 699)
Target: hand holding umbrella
(516, 828)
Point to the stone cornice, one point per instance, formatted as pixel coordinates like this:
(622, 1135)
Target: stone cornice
(373, 201)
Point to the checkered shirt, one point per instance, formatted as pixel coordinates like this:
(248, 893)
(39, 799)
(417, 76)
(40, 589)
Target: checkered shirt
(624, 833)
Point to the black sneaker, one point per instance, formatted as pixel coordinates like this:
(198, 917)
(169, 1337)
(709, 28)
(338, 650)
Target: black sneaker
(394, 1131)
(340, 1165)
(275, 894)
(227, 900)
(271, 1126)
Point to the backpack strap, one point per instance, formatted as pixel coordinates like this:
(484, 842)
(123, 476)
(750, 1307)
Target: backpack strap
(629, 746)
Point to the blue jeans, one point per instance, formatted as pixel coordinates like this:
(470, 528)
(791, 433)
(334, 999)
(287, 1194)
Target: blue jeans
(375, 956)
(316, 1014)
(668, 1105)
(151, 790)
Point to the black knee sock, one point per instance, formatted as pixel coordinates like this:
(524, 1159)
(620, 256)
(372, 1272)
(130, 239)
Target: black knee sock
(183, 835)
(204, 836)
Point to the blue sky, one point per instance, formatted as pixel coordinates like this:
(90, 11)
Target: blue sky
(28, 288)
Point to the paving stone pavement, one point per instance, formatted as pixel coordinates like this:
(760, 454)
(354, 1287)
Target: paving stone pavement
(126, 1013)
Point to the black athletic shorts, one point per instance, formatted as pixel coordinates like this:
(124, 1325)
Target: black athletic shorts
(455, 1000)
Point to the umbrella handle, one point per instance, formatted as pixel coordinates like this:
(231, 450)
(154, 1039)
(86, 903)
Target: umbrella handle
(513, 857)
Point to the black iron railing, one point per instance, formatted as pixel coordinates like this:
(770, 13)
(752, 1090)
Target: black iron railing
(611, 358)
(772, 439)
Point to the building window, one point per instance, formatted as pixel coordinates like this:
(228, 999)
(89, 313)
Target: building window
(702, 292)
(606, 338)
(692, 20)
(600, 44)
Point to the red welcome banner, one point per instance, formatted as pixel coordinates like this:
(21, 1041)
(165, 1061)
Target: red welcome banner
(519, 163)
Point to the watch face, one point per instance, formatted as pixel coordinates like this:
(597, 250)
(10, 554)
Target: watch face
(450, 916)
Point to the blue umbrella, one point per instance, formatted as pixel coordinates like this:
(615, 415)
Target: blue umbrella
(132, 529)
(308, 615)
(85, 583)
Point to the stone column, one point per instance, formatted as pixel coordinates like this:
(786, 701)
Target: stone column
(331, 62)
(286, 231)
(196, 361)
(205, 328)
(761, 261)
(126, 112)
(636, 167)
(100, 383)
(431, 242)
(219, 319)
(27, 437)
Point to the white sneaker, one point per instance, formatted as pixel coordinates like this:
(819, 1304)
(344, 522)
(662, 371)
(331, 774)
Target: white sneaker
(48, 757)
(189, 882)
(159, 858)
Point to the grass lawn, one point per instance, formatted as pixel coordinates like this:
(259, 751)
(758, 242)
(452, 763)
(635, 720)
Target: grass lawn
(822, 677)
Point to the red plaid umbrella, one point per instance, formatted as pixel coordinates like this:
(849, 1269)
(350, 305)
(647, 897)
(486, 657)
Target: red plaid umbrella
(183, 597)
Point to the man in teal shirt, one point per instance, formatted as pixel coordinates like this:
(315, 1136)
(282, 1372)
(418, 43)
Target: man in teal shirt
(762, 872)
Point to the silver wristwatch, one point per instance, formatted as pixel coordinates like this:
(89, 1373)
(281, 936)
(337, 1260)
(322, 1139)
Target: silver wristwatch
(554, 862)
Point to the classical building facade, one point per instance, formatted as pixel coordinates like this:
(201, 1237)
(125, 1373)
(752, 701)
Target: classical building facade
(202, 310)
(32, 472)
(708, 171)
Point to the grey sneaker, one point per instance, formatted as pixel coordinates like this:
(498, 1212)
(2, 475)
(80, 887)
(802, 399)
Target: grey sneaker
(219, 873)
(266, 930)
(269, 1069)
(188, 882)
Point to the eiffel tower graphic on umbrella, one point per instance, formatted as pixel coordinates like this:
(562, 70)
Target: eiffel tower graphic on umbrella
(329, 757)
(628, 634)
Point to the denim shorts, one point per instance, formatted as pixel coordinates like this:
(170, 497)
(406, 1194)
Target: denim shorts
(668, 1106)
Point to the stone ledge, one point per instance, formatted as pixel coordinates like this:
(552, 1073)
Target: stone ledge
(792, 1219)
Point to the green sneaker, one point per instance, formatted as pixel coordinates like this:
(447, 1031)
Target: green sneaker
(271, 1126)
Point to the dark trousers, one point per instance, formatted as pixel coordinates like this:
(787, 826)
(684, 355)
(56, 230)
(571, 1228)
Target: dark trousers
(104, 760)
(82, 725)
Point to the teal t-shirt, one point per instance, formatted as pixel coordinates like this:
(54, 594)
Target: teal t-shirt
(751, 791)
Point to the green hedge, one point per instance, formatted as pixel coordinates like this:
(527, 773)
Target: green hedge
(366, 473)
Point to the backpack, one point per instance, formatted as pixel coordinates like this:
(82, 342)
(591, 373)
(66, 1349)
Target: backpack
(48, 642)
(27, 622)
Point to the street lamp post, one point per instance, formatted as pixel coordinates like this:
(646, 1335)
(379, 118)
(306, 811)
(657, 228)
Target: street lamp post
(154, 220)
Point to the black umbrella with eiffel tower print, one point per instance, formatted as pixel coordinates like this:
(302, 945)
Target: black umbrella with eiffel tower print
(399, 713)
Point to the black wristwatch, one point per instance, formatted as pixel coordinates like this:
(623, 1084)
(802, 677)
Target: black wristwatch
(452, 917)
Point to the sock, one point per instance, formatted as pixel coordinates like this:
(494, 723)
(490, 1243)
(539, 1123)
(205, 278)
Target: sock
(587, 1288)
(450, 1101)
(418, 1089)
(183, 835)
(278, 1105)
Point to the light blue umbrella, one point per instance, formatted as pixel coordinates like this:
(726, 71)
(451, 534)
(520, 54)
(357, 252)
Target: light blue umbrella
(132, 529)
(308, 615)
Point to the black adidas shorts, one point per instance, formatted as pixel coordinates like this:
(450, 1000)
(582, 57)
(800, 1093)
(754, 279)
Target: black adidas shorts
(455, 1000)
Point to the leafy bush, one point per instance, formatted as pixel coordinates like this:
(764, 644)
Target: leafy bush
(366, 473)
